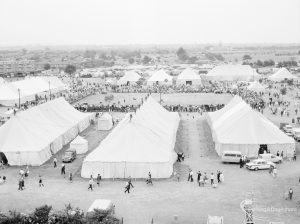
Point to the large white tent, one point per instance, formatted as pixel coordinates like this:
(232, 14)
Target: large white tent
(281, 75)
(80, 144)
(160, 77)
(32, 136)
(188, 77)
(26, 89)
(232, 73)
(240, 128)
(130, 78)
(105, 122)
(137, 145)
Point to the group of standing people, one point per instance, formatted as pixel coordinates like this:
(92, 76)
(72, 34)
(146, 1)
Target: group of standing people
(202, 179)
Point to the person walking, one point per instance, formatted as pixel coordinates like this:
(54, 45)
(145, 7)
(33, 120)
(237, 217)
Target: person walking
(291, 194)
(20, 184)
(91, 183)
(281, 154)
(198, 177)
(63, 170)
(221, 177)
(54, 162)
(71, 177)
(128, 186)
(41, 181)
(241, 163)
(218, 176)
(212, 178)
(98, 179)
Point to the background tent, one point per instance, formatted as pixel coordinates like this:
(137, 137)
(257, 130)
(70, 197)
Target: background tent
(137, 145)
(80, 144)
(160, 77)
(105, 122)
(229, 132)
(188, 77)
(130, 77)
(232, 73)
(32, 136)
(256, 87)
(281, 75)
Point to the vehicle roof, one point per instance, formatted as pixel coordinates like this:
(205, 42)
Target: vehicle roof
(233, 152)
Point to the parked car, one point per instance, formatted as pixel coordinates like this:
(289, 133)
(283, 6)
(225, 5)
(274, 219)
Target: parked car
(296, 134)
(288, 129)
(231, 156)
(282, 125)
(270, 157)
(259, 164)
(69, 156)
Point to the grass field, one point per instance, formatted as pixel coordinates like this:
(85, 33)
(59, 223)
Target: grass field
(167, 197)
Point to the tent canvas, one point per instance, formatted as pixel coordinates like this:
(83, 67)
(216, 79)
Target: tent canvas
(134, 147)
(281, 75)
(32, 136)
(105, 122)
(160, 77)
(188, 76)
(130, 77)
(229, 132)
(232, 73)
(80, 144)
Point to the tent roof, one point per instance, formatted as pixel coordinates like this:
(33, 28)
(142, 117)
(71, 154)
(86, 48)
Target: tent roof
(229, 124)
(105, 116)
(79, 140)
(146, 138)
(160, 76)
(282, 74)
(35, 128)
(130, 76)
(188, 74)
(232, 70)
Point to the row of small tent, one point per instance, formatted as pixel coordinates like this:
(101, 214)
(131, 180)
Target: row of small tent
(219, 73)
(237, 127)
(142, 142)
(27, 89)
(32, 136)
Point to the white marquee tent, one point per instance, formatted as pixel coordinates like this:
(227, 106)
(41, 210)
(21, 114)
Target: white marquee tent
(80, 144)
(28, 88)
(281, 75)
(160, 77)
(105, 122)
(238, 127)
(136, 146)
(130, 77)
(32, 136)
(232, 73)
(188, 77)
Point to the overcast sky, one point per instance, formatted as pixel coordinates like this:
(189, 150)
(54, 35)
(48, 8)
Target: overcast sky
(61, 22)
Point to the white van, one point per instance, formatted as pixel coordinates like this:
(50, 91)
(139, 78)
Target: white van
(296, 134)
(270, 157)
(231, 156)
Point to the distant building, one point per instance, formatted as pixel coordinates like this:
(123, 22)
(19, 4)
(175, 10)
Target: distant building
(17, 67)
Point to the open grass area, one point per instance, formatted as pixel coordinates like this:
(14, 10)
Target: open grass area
(165, 198)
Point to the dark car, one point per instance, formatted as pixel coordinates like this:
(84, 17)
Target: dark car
(69, 156)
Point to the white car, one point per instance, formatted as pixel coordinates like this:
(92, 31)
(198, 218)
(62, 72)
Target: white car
(296, 134)
(288, 129)
(270, 157)
(259, 164)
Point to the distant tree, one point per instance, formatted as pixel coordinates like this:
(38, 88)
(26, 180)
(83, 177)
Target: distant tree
(182, 54)
(47, 66)
(192, 59)
(146, 59)
(24, 51)
(299, 52)
(131, 60)
(90, 54)
(246, 57)
(70, 69)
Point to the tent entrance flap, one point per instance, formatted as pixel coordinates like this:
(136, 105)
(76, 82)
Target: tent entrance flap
(188, 83)
(3, 158)
(263, 149)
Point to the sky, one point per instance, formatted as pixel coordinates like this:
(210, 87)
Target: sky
(123, 22)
